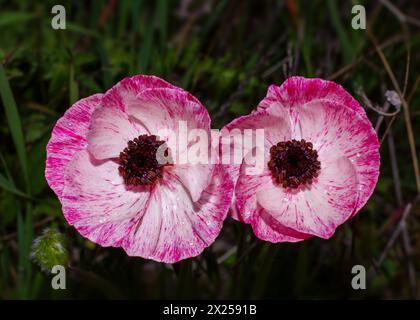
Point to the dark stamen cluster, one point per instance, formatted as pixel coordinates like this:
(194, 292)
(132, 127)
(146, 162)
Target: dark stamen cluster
(138, 163)
(294, 163)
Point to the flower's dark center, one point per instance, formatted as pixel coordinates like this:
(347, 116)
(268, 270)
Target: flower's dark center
(138, 162)
(294, 163)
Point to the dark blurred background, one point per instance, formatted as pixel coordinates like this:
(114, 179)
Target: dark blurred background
(226, 53)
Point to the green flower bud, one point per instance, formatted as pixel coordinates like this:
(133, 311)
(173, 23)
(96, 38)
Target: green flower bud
(49, 250)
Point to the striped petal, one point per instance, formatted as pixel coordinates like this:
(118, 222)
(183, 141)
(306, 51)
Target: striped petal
(67, 138)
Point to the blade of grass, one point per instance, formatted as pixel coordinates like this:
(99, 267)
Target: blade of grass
(6, 169)
(73, 88)
(266, 258)
(136, 7)
(186, 79)
(13, 120)
(123, 15)
(24, 224)
(306, 53)
(8, 18)
(81, 30)
(98, 43)
(106, 69)
(216, 14)
(162, 17)
(342, 35)
(8, 186)
(185, 279)
(147, 44)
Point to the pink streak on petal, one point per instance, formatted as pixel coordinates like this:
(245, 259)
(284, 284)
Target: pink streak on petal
(297, 91)
(68, 137)
(245, 191)
(110, 130)
(163, 108)
(124, 92)
(97, 203)
(267, 228)
(233, 172)
(173, 228)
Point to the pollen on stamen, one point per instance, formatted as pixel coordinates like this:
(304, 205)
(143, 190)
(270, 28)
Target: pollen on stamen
(138, 164)
(294, 163)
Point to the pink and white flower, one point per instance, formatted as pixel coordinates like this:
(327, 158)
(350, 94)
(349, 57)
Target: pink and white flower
(322, 162)
(101, 163)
